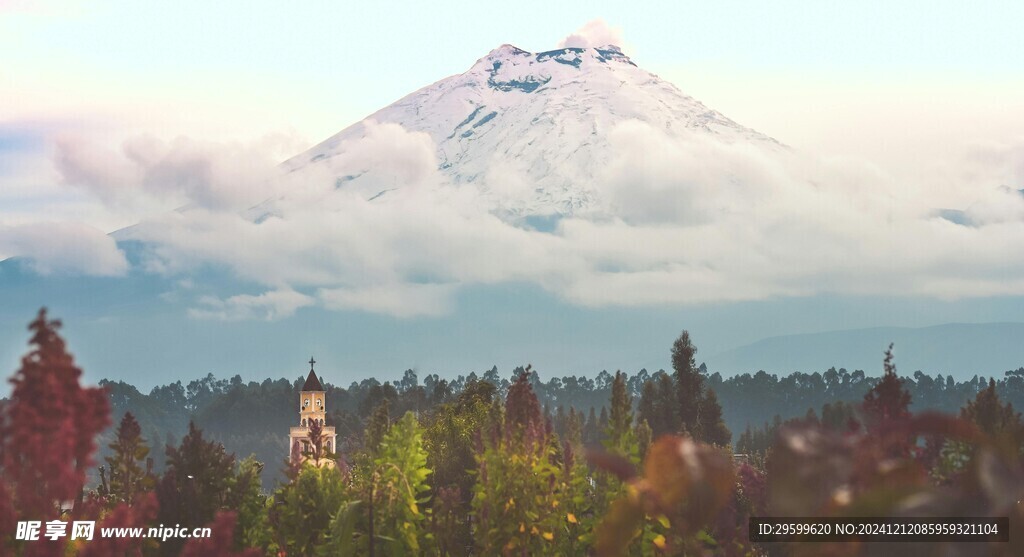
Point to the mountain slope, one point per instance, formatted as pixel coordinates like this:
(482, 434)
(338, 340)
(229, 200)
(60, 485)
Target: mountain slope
(540, 120)
(960, 349)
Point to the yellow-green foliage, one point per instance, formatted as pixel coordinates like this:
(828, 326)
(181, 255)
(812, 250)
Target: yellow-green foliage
(400, 485)
(304, 508)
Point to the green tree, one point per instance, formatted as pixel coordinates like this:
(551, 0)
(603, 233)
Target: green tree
(591, 429)
(195, 485)
(689, 383)
(712, 427)
(399, 490)
(252, 529)
(886, 406)
(991, 415)
(574, 428)
(302, 513)
(619, 435)
(450, 440)
(887, 401)
(647, 409)
(520, 492)
(643, 437)
(128, 478)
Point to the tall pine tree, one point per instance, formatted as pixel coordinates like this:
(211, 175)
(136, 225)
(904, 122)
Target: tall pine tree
(619, 435)
(128, 478)
(689, 383)
(712, 427)
(887, 401)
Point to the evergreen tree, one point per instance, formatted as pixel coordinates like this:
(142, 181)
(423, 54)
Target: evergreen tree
(839, 416)
(561, 421)
(712, 426)
(666, 407)
(689, 383)
(887, 401)
(619, 435)
(195, 485)
(643, 438)
(621, 418)
(888, 404)
(647, 409)
(591, 430)
(128, 478)
(574, 428)
(991, 415)
(811, 417)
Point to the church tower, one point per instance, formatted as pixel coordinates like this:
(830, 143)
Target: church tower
(312, 413)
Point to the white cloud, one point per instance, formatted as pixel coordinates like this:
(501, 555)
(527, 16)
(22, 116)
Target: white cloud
(681, 220)
(184, 171)
(268, 306)
(595, 33)
(63, 247)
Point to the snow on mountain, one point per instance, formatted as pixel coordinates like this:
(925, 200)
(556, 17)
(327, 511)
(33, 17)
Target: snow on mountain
(539, 119)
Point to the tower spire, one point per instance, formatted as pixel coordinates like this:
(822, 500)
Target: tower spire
(312, 381)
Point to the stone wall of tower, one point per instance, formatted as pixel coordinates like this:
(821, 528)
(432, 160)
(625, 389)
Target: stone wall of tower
(312, 406)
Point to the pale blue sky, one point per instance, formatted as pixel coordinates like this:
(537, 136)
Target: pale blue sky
(905, 85)
(305, 39)
(362, 55)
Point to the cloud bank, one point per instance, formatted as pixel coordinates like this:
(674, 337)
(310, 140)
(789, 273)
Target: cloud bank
(212, 175)
(63, 248)
(681, 220)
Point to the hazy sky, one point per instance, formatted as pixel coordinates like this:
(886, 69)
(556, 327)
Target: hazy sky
(114, 114)
(905, 85)
(893, 108)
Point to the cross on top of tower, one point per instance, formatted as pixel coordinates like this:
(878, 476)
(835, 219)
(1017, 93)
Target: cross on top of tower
(312, 381)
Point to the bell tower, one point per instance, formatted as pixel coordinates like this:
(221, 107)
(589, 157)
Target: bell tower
(311, 402)
(312, 412)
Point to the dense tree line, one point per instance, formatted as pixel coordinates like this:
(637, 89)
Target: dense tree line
(253, 417)
(486, 468)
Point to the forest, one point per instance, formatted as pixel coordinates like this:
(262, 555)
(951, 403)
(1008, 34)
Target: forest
(667, 463)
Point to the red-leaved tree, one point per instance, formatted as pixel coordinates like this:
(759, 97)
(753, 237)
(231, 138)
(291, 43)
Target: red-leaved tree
(47, 435)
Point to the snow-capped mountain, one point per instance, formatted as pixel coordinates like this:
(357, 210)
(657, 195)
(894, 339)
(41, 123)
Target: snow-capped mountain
(544, 116)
